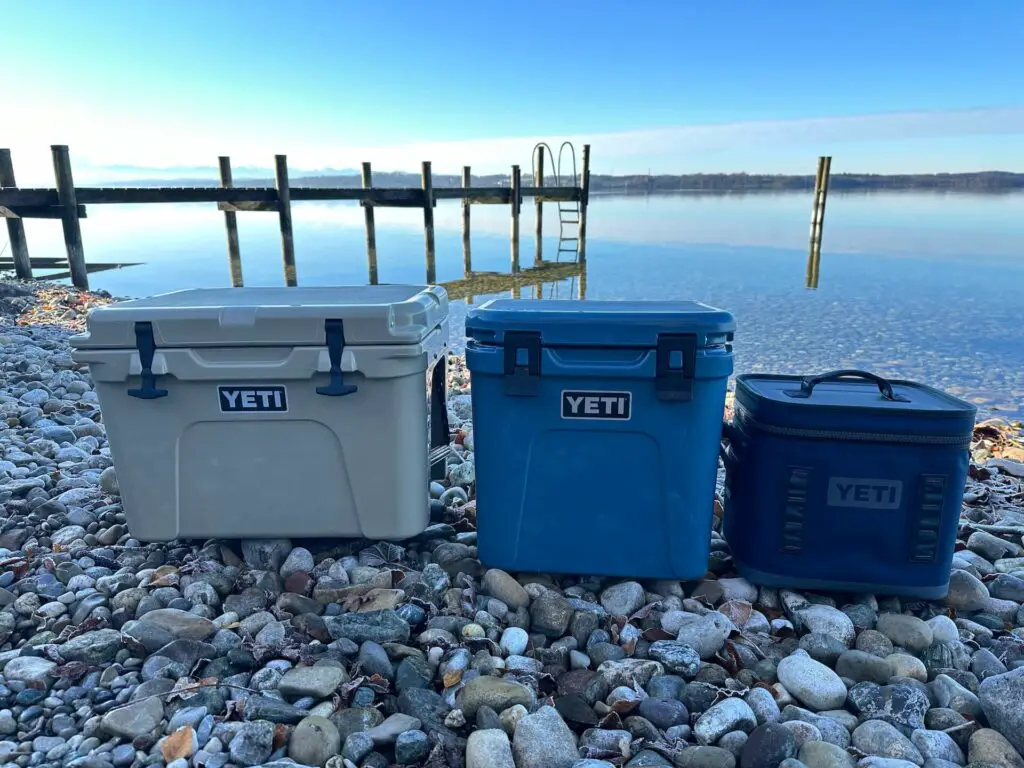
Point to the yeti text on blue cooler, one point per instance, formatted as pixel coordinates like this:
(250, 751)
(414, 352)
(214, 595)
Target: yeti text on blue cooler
(865, 493)
(596, 405)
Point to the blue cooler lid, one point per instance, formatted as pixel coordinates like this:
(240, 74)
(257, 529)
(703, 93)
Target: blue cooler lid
(599, 323)
(852, 400)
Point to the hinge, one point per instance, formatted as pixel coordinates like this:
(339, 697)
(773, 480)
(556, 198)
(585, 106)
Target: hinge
(676, 366)
(522, 363)
(146, 347)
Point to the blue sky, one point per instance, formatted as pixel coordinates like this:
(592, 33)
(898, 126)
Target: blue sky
(670, 85)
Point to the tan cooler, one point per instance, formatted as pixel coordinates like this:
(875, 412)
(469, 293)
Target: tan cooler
(273, 412)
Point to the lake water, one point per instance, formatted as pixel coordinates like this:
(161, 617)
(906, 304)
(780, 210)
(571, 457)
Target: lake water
(922, 286)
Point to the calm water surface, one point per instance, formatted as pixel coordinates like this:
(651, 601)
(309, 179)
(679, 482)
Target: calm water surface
(923, 286)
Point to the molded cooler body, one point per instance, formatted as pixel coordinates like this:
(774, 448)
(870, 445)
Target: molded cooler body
(596, 428)
(273, 412)
(845, 489)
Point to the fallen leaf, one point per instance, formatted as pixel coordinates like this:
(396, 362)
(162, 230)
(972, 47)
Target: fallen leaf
(738, 611)
(280, 735)
(178, 746)
(657, 633)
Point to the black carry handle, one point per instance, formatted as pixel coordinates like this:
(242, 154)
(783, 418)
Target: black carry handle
(808, 384)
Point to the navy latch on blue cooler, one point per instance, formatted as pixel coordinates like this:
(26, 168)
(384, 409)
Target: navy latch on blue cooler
(845, 482)
(596, 427)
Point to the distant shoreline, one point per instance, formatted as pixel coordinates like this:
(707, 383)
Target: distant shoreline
(981, 181)
(741, 191)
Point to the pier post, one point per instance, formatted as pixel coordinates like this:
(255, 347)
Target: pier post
(515, 200)
(538, 181)
(69, 216)
(284, 209)
(428, 221)
(467, 257)
(584, 200)
(231, 225)
(821, 180)
(371, 229)
(15, 227)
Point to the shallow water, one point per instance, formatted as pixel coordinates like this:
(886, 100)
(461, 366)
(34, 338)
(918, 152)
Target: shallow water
(921, 286)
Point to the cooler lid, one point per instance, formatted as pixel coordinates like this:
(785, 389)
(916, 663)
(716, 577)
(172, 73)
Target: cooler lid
(599, 323)
(847, 399)
(206, 317)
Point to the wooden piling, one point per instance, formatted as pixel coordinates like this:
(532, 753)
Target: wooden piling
(15, 227)
(516, 204)
(371, 230)
(428, 222)
(584, 200)
(818, 220)
(538, 181)
(284, 210)
(231, 225)
(467, 257)
(69, 216)
(581, 286)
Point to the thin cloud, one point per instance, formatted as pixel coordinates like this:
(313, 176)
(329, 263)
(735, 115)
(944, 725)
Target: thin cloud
(100, 146)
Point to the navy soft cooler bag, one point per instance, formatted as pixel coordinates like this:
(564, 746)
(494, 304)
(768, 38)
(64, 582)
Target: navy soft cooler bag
(597, 427)
(845, 482)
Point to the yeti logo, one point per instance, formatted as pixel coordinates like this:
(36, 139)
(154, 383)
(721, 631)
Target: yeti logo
(596, 405)
(864, 493)
(272, 399)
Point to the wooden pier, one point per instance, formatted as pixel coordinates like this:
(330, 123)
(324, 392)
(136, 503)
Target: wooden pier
(69, 203)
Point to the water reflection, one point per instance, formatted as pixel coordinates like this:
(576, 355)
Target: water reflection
(924, 286)
(813, 268)
(548, 279)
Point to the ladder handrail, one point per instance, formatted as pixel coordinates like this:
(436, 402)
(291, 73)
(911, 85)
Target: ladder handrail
(572, 154)
(542, 145)
(568, 211)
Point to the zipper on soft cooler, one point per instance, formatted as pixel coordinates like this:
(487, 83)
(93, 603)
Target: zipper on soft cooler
(957, 441)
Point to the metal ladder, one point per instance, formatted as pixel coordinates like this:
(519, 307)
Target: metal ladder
(568, 212)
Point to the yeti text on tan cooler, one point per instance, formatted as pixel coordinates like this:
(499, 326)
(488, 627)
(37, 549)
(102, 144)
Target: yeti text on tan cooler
(865, 493)
(270, 398)
(596, 405)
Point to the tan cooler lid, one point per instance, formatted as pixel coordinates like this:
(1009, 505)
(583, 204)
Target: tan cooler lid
(372, 314)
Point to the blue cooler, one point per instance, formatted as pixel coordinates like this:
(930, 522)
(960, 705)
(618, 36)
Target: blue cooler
(597, 428)
(845, 482)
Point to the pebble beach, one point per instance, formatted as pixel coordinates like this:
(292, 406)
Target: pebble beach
(365, 654)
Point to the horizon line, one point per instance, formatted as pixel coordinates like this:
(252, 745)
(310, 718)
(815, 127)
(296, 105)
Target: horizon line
(250, 172)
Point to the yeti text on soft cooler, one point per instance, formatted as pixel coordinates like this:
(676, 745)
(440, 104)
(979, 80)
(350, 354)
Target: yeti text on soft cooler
(596, 405)
(865, 493)
(252, 399)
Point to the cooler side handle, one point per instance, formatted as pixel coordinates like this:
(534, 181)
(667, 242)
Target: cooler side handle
(927, 518)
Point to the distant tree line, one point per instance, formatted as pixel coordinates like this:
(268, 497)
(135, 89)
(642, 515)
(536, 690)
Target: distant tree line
(984, 181)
